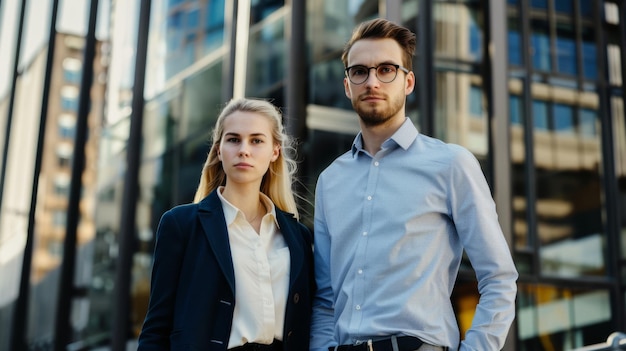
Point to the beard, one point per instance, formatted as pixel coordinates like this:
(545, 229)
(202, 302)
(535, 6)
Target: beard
(372, 116)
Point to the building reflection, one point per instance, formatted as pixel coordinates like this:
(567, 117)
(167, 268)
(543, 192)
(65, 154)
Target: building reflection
(551, 142)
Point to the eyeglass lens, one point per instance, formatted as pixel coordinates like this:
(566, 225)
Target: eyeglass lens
(384, 73)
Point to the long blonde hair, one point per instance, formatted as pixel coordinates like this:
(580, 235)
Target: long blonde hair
(277, 182)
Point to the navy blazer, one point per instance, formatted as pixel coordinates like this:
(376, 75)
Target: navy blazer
(192, 293)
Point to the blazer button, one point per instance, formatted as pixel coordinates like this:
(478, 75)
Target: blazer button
(296, 298)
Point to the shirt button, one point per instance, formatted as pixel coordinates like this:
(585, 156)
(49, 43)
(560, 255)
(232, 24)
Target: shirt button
(358, 307)
(369, 197)
(376, 163)
(360, 271)
(364, 233)
(296, 298)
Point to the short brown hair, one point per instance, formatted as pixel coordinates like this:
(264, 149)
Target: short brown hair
(380, 28)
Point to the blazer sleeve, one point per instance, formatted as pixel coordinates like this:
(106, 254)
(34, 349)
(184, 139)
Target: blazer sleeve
(168, 257)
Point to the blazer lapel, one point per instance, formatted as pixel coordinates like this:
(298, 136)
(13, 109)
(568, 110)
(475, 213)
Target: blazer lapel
(212, 219)
(290, 231)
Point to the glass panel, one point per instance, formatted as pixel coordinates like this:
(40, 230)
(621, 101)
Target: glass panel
(458, 31)
(586, 9)
(540, 45)
(266, 60)
(514, 42)
(456, 95)
(563, 118)
(475, 39)
(569, 193)
(521, 237)
(566, 57)
(614, 58)
(261, 9)
(540, 4)
(589, 53)
(564, 6)
(619, 140)
(329, 26)
(540, 115)
(188, 29)
(201, 101)
(110, 182)
(409, 13)
(213, 25)
(560, 318)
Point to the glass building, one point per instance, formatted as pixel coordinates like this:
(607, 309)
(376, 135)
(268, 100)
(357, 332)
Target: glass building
(107, 126)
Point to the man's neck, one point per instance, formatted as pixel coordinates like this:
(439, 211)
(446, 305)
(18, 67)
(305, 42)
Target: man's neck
(375, 136)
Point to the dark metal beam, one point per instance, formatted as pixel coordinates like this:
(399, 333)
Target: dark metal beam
(20, 317)
(127, 235)
(297, 82)
(426, 70)
(63, 328)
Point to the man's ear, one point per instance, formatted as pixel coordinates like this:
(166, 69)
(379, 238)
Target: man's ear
(410, 83)
(346, 87)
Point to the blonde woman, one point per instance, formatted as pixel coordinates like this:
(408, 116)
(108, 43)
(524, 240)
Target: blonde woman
(233, 270)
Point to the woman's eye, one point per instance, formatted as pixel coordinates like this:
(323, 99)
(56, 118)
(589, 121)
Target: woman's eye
(257, 141)
(232, 140)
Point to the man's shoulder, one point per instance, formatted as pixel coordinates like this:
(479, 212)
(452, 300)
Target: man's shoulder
(439, 147)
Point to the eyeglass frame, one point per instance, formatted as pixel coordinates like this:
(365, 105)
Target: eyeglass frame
(398, 67)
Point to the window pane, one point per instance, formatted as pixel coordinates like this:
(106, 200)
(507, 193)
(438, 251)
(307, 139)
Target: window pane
(561, 318)
(540, 4)
(566, 49)
(587, 125)
(514, 42)
(540, 42)
(515, 109)
(540, 115)
(586, 8)
(589, 52)
(563, 118)
(564, 6)
(569, 206)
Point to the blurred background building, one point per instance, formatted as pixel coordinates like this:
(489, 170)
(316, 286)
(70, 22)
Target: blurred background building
(106, 108)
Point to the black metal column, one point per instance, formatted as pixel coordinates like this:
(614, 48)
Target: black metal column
(426, 71)
(18, 341)
(63, 329)
(608, 170)
(121, 324)
(297, 79)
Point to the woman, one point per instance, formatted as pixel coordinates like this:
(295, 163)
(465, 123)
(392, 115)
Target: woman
(233, 270)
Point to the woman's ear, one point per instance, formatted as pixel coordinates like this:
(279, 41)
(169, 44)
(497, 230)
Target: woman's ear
(275, 152)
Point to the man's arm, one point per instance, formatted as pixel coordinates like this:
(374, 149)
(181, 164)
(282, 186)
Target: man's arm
(476, 220)
(322, 323)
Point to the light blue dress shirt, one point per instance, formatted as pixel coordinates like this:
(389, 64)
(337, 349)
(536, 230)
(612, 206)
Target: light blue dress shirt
(390, 230)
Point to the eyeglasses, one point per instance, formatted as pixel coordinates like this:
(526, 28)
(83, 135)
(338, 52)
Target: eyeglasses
(385, 72)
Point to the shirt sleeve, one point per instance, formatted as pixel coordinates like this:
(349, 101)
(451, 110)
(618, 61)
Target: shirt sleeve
(322, 324)
(474, 214)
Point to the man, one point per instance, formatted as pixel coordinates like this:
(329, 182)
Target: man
(393, 216)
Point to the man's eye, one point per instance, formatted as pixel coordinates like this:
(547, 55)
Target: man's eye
(385, 69)
(358, 71)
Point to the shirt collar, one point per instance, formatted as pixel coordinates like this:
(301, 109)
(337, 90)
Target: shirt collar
(403, 137)
(231, 212)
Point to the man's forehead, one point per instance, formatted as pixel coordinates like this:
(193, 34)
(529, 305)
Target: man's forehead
(375, 51)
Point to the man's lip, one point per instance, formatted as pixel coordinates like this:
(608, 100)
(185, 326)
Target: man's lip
(372, 97)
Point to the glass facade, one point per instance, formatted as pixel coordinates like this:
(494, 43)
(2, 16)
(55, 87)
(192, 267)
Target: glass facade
(564, 117)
